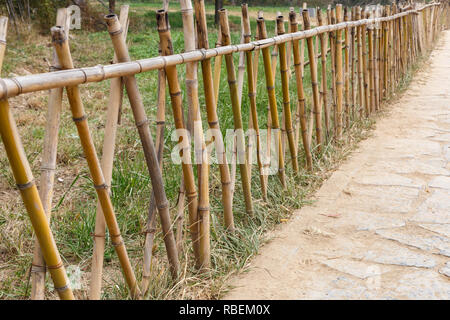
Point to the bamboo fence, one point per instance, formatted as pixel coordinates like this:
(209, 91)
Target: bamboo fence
(369, 53)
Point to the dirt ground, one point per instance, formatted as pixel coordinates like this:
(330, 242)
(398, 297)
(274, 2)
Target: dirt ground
(380, 228)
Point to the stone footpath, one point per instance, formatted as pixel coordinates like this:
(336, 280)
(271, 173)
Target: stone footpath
(380, 228)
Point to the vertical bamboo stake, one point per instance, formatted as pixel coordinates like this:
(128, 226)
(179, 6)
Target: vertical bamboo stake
(365, 65)
(376, 60)
(225, 29)
(213, 121)
(38, 268)
(332, 36)
(314, 82)
(353, 61)
(61, 45)
(199, 144)
(202, 256)
(347, 69)
(112, 119)
(371, 66)
(137, 106)
(30, 196)
(251, 81)
(361, 87)
(339, 74)
(286, 100)
(301, 113)
(272, 100)
(323, 58)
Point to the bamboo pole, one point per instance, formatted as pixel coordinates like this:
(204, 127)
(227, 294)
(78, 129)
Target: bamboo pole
(30, 196)
(213, 120)
(375, 62)
(251, 82)
(331, 17)
(272, 101)
(286, 99)
(371, 66)
(347, 69)
(201, 253)
(365, 70)
(353, 61)
(323, 58)
(361, 87)
(301, 113)
(38, 268)
(152, 211)
(225, 29)
(339, 74)
(121, 51)
(109, 141)
(217, 67)
(314, 82)
(3, 31)
(61, 45)
(199, 143)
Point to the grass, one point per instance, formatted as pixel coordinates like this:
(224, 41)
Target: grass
(74, 210)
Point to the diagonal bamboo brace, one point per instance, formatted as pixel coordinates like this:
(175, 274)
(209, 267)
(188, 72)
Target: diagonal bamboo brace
(27, 187)
(137, 106)
(61, 45)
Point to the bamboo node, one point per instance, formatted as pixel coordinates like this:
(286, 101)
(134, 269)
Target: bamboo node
(175, 94)
(142, 123)
(37, 268)
(163, 205)
(97, 235)
(56, 266)
(84, 117)
(61, 289)
(25, 186)
(19, 86)
(101, 186)
(48, 168)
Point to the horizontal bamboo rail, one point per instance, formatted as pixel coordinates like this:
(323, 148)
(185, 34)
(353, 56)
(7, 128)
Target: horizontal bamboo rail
(11, 87)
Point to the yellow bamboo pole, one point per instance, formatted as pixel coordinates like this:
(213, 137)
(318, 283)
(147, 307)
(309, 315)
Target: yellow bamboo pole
(112, 119)
(347, 69)
(301, 112)
(339, 74)
(371, 66)
(331, 17)
(199, 143)
(61, 45)
(286, 99)
(30, 196)
(360, 65)
(314, 82)
(202, 256)
(48, 165)
(137, 106)
(275, 126)
(213, 120)
(323, 58)
(251, 82)
(241, 158)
